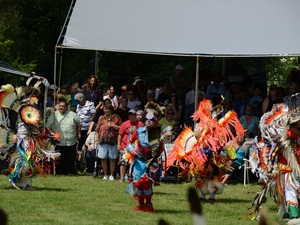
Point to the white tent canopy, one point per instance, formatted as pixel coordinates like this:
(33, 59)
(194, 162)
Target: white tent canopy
(186, 27)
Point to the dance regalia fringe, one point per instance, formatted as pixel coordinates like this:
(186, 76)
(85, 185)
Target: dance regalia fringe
(26, 161)
(277, 155)
(23, 161)
(31, 139)
(188, 150)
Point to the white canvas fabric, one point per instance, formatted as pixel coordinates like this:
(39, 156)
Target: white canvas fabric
(186, 27)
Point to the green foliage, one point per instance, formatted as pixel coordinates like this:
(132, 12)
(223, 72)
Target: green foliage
(84, 200)
(29, 31)
(278, 69)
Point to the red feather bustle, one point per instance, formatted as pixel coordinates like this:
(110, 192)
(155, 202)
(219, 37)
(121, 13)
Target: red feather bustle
(188, 150)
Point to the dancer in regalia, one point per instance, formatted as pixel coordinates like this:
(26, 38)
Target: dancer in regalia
(31, 136)
(145, 145)
(276, 160)
(197, 152)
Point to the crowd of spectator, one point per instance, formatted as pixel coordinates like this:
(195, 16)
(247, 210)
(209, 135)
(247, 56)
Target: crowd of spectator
(85, 110)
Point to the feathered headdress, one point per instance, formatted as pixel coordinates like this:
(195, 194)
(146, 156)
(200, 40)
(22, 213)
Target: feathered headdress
(273, 123)
(275, 127)
(210, 132)
(154, 107)
(294, 115)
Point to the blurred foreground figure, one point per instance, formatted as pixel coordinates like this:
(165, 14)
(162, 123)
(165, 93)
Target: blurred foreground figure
(197, 211)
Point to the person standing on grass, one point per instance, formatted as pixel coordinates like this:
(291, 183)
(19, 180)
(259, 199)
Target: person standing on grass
(280, 129)
(68, 124)
(107, 128)
(126, 130)
(24, 163)
(145, 146)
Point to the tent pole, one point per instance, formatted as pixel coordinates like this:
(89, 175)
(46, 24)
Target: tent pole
(60, 65)
(196, 85)
(45, 106)
(223, 67)
(54, 76)
(66, 22)
(96, 63)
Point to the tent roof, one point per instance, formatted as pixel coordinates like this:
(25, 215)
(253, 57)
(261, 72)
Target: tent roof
(7, 68)
(181, 27)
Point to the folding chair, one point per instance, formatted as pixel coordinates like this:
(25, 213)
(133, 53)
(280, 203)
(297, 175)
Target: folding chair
(247, 165)
(172, 174)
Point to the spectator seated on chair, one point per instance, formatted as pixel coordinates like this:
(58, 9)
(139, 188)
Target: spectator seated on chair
(91, 146)
(236, 151)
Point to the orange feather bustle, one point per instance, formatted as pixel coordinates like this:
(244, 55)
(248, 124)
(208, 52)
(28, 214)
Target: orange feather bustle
(275, 114)
(188, 151)
(180, 150)
(231, 119)
(204, 109)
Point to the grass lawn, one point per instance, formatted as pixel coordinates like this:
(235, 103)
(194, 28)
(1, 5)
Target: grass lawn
(84, 200)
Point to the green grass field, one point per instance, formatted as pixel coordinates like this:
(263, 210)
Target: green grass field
(84, 200)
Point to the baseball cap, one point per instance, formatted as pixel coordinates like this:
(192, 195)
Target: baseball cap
(52, 87)
(137, 79)
(132, 111)
(178, 67)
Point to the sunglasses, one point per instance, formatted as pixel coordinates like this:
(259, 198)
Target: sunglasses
(170, 113)
(153, 120)
(173, 95)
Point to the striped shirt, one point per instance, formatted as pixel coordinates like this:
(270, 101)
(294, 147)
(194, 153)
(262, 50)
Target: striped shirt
(85, 114)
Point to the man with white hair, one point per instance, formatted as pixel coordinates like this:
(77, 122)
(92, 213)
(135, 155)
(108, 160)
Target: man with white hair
(86, 111)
